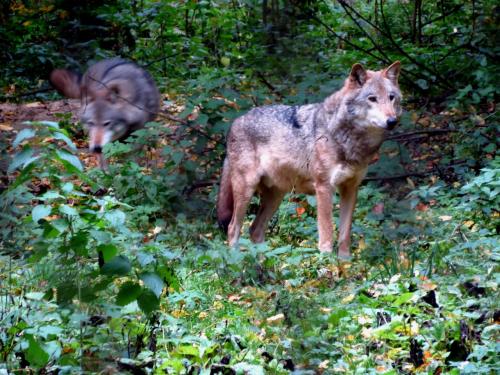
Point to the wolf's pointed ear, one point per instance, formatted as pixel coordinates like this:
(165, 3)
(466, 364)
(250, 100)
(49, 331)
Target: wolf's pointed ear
(358, 74)
(66, 82)
(392, 72)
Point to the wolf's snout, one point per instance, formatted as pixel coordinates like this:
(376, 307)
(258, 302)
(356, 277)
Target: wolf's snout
(392, 122)
(96, 149)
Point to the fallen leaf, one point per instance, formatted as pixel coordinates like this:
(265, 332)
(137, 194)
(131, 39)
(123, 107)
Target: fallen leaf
(300, 211)
(422, 207)
(429, 286)
(445, 218)
(275, 319)
(348, 298)
(378, 208)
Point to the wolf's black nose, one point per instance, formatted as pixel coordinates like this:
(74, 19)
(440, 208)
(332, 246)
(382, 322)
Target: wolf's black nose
(97, 149)
(392, 122)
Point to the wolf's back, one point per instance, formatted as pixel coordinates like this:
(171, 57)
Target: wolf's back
(132, 83)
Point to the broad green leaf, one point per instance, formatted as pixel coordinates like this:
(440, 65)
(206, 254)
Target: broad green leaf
(119, 265)
(36, 296)
(22, 135)
(108, 251)
(40, 211)
(116, 217)
(78, 243)
(65, 139)
(35, 355)
(188, 350)
(71, 159)
(153, 282)
(128, 293)
(51, 194)
(403, 298)
(67, 210)
(23, 158)
(334, 318)
(147, 301)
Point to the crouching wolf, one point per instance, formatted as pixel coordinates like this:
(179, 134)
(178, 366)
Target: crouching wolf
(117, 98)
(310, 149)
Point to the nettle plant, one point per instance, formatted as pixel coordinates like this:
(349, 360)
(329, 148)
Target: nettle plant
(67, 219)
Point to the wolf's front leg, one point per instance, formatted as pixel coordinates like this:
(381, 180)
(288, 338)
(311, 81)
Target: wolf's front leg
(348, 193)
(324, 193)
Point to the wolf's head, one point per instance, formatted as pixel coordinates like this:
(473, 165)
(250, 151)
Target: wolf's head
(117, 98)
(373, 99)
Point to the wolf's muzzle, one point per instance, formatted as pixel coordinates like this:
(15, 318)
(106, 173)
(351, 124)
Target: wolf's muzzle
(96, 149)
(392, 122)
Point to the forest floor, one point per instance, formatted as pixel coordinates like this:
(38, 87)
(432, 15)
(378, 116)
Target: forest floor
(420, 296)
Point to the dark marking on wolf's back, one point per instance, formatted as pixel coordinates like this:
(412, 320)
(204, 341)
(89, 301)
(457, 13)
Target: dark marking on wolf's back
(287, 115)
(118, 63)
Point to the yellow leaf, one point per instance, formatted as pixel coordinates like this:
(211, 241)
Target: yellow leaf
(275, 319)
(348, 298)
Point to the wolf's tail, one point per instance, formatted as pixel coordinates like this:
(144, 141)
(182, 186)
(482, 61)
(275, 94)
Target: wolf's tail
(225, 198)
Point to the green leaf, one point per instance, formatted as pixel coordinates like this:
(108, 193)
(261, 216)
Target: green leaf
(334, 318)
(403, 298)
(116, 217)
(108, 251)
(153, 282)
(35, 355)
(128, 293)
(71, 159)
(23, 158)
(40, 211)
(78, 243)
(22, 135)
(67, 210)
(177, 157)
(119, 265)
(148, 302)
(65, 139)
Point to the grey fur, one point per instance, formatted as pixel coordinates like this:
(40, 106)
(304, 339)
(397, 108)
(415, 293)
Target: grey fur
(310, 148)
(117, 96)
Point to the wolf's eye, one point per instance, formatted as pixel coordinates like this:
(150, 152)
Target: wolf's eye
(372, 98)
(89, 124)
(391, 97)
(106, 123)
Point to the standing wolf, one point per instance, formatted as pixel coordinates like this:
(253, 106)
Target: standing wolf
(117, 98)
(310, 149)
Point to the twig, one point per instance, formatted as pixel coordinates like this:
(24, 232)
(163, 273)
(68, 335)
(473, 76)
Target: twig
(269, 85)
(164, 58)
(398, 176)
(29, 93)
(429, 132)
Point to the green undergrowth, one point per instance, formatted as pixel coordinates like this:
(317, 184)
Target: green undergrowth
(102, 270)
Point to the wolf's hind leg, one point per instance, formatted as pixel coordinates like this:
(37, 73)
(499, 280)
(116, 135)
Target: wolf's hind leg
(348, 194)
(242, 193)
(270, 199)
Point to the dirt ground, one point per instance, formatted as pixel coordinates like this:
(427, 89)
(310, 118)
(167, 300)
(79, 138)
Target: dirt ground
(13, 116)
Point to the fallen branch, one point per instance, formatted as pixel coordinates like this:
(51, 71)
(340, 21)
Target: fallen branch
(398, 176)
(268, 84)
(429, 132)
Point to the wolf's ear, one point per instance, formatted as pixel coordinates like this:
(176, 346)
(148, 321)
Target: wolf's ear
(358, 74)
(392, 72)
(66, 82)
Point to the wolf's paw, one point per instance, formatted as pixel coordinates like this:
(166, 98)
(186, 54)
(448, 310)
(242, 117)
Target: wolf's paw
(345, 256)
(325, 248)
